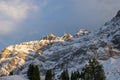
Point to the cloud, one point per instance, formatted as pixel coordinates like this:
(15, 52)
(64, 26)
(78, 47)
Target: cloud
(40, 17)
(16, 9)
(110, 1)
(12, 12)
(4, 29)
(94, 12)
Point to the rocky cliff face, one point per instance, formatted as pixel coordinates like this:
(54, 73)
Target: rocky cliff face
(67, 52)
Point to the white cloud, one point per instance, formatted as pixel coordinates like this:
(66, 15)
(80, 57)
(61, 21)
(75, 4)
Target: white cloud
(12, 12)
(16, 9)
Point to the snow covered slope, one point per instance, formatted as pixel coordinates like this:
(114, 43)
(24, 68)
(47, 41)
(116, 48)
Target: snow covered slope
(15, 77)
(67, 52)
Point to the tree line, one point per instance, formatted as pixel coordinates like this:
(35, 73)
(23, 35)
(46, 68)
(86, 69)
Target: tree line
(91, 71)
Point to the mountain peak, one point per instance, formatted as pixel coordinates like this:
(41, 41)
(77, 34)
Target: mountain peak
(118, 14)
(82, 32)
(117, 17)
(50, 36)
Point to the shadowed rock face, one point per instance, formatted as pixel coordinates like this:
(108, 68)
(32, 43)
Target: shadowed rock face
(116, 41)
(118, 14)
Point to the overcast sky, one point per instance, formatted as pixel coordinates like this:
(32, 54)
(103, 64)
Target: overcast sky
(25, 20)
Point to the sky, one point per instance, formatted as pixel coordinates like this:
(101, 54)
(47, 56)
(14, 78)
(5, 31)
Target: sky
(26, 20)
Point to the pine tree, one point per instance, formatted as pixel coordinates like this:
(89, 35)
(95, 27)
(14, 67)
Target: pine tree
(49, 75)
(33, 72)
(64, 75)
(73, 76)
(93, 71)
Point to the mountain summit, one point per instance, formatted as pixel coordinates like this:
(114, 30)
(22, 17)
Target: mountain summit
(70, 52)
(118, 14)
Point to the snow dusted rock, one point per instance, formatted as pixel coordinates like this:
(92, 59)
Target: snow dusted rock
(82, 32)
(66, 36)
(50, 36)
(111, 67)
(118, 14)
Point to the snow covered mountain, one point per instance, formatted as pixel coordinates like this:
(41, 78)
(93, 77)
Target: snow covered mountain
(67, 52)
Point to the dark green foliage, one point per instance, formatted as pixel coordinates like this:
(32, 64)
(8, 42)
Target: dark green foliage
(64, 75)
(33, 72)
(93, 71)
(75, 75)
(49, 75)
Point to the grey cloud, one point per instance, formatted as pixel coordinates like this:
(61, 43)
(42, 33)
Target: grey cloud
(12, 12)
(60, 16)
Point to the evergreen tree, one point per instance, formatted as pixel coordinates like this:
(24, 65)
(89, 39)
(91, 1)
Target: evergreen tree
(33, 72)
(49, 75)
(93, 71)
(75, 75)
(78, 74)
(64, 75)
